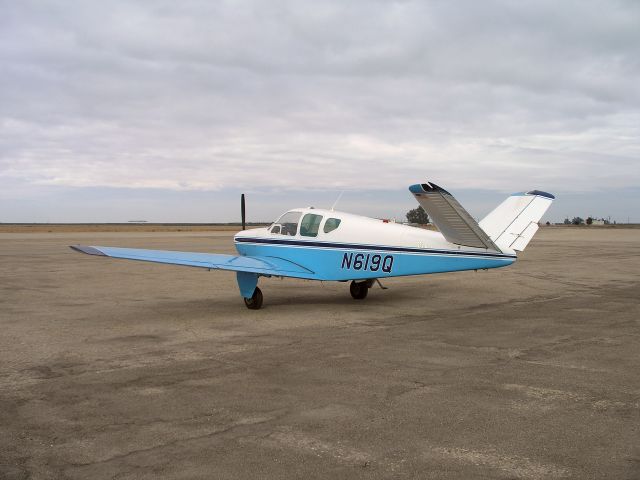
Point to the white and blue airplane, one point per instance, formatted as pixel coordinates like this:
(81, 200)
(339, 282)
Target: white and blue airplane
(326, 245)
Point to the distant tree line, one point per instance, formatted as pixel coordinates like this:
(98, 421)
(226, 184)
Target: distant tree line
(582, 221)
(420, 217)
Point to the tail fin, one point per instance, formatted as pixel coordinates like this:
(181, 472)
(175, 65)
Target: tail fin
(514, 222)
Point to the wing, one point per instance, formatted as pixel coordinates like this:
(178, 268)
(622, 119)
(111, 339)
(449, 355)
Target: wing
(260, 265)
(453, 221)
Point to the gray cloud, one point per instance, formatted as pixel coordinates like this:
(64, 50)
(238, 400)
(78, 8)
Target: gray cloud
(286, 95)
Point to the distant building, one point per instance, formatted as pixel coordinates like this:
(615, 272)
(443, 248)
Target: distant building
(597, 222)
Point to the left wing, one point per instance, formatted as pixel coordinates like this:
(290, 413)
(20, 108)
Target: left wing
(259, 265)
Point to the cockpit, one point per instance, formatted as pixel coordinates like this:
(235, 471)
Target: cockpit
(304, 224)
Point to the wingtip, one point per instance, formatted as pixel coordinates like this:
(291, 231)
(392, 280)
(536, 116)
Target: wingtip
(87, 250)
(536, 193)
(540, 193)
(428, 187)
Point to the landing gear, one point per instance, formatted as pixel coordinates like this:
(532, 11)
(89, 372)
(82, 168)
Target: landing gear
(255, 302)
(359, 290)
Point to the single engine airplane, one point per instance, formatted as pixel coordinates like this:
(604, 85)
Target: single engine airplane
(327, 245)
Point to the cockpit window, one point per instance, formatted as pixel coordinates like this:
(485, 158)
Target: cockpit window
(331, 224)
(287, 224)
(310, 224)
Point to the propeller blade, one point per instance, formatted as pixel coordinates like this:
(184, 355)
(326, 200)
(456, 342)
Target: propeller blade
(242, 210)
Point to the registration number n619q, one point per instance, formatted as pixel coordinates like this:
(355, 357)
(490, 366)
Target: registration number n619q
(367, 261)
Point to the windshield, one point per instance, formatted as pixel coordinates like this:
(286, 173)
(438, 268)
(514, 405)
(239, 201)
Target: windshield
(287, 224)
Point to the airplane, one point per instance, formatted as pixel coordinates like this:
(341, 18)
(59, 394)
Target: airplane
(327, 245)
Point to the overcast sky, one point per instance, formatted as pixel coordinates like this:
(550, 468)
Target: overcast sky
(167, 110)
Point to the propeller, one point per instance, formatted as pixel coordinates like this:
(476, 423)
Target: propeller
(242, 210)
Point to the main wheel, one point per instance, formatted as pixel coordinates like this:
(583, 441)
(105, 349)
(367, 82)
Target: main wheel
(359, 290)
(255, 302)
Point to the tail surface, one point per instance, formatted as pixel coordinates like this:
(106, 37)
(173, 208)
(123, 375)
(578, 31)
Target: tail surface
(453, 221)
(514, 222)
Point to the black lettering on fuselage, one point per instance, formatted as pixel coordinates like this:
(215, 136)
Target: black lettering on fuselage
(387, 264)
(373, 263)
(357, 261)
(346, 260)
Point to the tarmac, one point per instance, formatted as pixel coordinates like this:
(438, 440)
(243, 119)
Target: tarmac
(127, 370)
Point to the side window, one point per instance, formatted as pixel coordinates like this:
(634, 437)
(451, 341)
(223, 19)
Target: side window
(287, 224)
(310, 224)
(331, 224)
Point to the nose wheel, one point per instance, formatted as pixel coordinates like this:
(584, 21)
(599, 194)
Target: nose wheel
(255, 302)
(359, 290)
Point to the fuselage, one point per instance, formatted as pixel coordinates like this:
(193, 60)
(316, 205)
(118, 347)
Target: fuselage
(342, 246)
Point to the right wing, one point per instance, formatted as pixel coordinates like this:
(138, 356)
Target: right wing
(453, 221)
(259, 265)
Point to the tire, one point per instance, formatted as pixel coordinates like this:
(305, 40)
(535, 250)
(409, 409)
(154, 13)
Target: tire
(359, 290)
(255, 302)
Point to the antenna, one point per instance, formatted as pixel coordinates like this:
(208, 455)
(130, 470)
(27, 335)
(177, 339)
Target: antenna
(337, 200)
